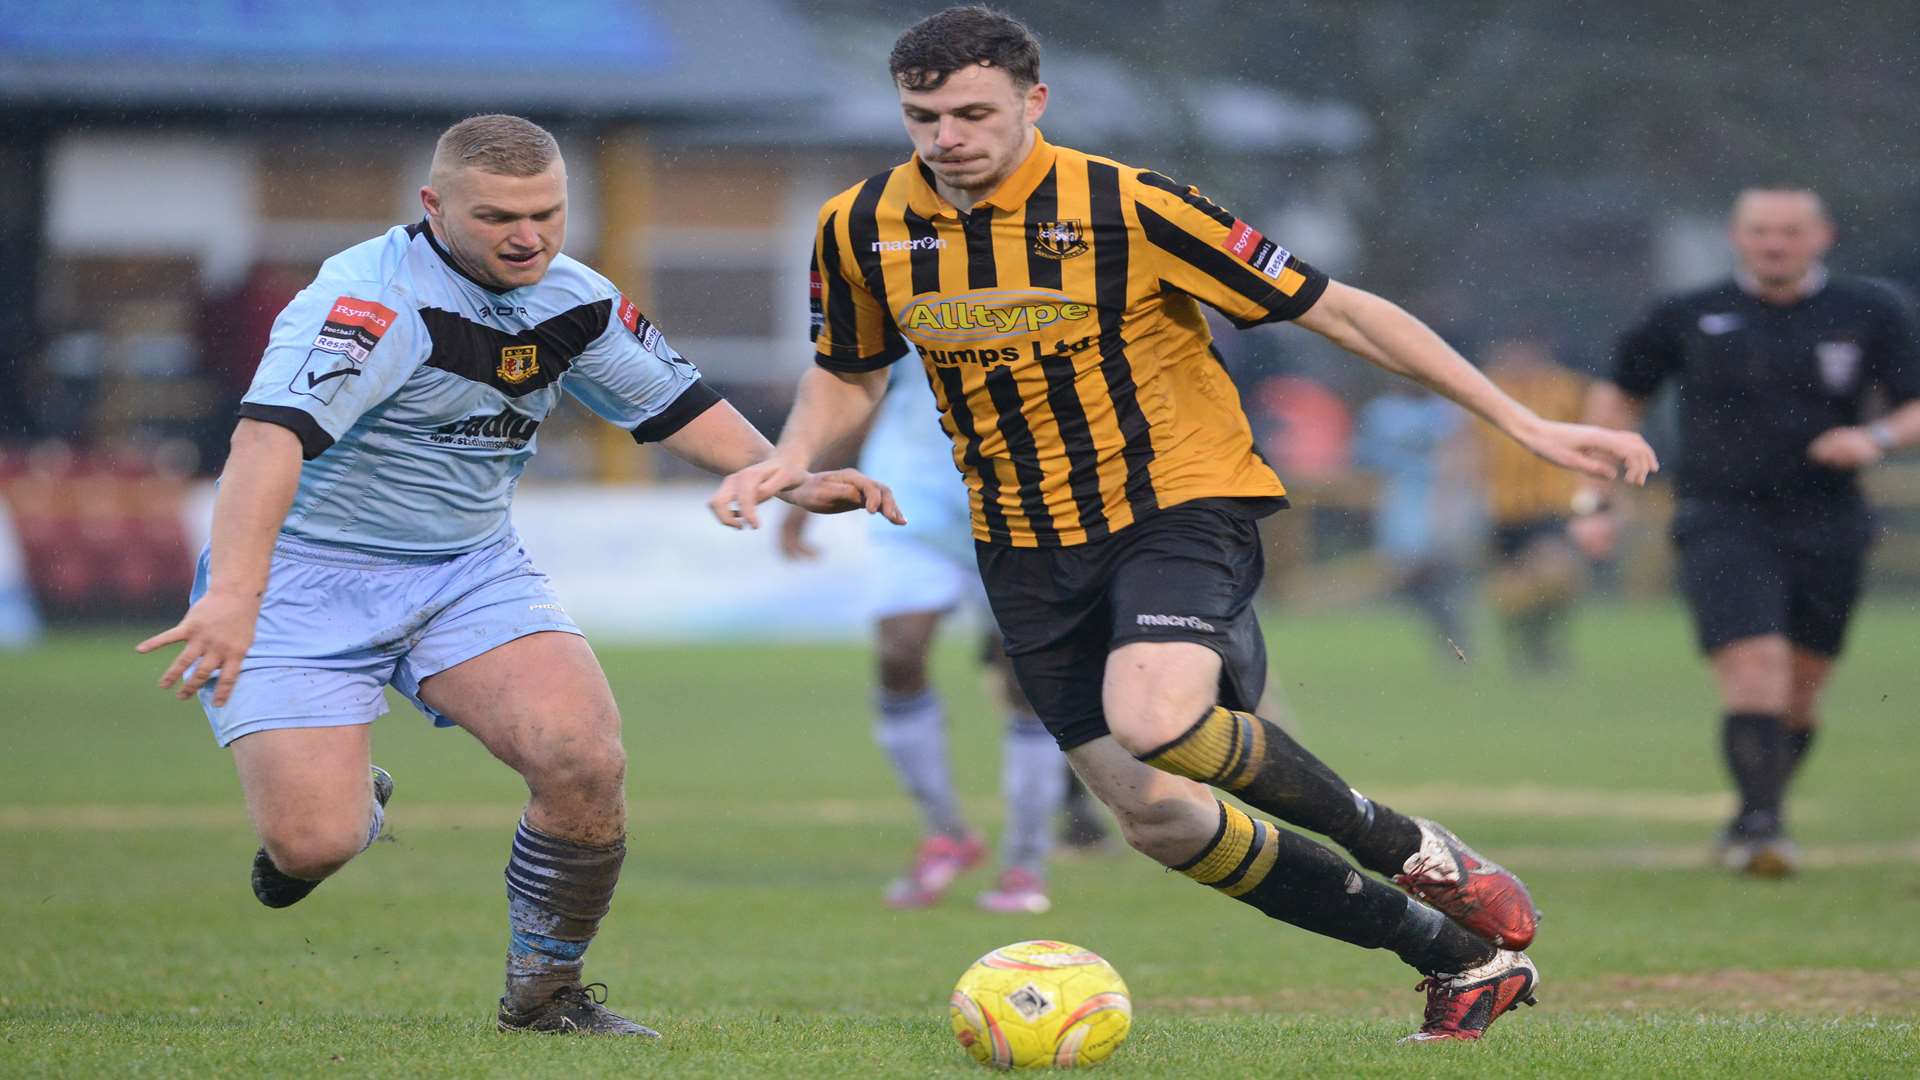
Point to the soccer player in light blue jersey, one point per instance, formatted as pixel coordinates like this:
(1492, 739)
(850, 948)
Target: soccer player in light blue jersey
(361, 539)
(915, 577)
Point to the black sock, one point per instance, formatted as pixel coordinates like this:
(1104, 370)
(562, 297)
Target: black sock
(1755, 745)
(1799, 741)
(1433, 943)
(1263, 765)
(1289, 877)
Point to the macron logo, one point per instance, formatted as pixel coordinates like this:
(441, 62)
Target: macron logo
(1183, 622)
(924, 243)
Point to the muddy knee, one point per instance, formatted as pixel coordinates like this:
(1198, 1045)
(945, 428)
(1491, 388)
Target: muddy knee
(579, 789)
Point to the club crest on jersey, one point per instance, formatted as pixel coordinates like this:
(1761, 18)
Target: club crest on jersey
(1059, 239)
(518, 363)
(1839, 364)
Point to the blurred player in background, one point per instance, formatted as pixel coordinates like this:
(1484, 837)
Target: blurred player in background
(1053, 297)
(916, 576)
(361, 539)
(1537, 572)
(1777, 370)
(1414, 442)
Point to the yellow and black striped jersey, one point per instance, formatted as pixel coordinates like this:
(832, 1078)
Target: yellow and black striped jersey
(1059, 324)
(1522, 487)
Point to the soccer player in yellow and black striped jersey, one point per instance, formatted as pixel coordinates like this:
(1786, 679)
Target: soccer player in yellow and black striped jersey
(1537, 571)
(1053, 297)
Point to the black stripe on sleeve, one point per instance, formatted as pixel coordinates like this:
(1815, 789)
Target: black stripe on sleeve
(1042, 206)
(1187, 195)
(314, 439)
(1213, 261)
(863, 232)
(1025, 454)
(696, 399)
(925, 257)
(1083, 459)
(843, 336)
(991, 514)
(842, 317)
(1109, 228)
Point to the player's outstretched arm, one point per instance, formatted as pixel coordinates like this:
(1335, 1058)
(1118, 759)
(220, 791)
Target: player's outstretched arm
(1378, 331)
(256, 490)
(829, 407)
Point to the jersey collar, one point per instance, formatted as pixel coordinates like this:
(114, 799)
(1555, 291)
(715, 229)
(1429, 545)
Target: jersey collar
(1810, 286)
(1011, 195)
(425, 228)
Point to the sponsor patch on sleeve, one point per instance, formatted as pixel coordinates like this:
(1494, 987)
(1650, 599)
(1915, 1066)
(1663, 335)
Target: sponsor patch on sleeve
(1245, 242)
(638, 325)
(353, 327)
(816, 312)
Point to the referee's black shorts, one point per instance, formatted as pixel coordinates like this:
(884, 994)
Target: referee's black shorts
(1750, 569)
(1188, 573)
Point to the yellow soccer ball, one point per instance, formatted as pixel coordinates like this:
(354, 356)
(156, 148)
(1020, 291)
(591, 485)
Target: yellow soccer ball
(1040, 1004)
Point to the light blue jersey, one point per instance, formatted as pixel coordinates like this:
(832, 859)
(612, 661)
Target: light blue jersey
(416, 391)
(909, 452)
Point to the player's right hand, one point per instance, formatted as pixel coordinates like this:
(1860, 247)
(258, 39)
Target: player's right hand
(793, 536)
(1600, 452)
(217, 631)
(736, 502)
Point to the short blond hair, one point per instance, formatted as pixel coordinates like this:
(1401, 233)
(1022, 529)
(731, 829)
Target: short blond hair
(494, 143)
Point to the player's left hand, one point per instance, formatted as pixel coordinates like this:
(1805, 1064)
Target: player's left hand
(1845, 448)
(841, 490)
(1600, 452)
(217, 631)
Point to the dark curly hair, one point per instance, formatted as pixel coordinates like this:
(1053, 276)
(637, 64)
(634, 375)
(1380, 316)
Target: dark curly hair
(934, 48)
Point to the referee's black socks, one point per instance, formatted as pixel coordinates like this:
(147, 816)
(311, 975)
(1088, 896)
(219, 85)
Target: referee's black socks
(1265, 767)
(1799, 742)
(1760, 757)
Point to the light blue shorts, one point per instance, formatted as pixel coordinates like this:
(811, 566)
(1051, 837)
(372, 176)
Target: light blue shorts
(337, 626)
(908, 574)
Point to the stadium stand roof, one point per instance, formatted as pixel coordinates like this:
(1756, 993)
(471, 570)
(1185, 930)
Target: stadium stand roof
(606, 58)
(727, 71)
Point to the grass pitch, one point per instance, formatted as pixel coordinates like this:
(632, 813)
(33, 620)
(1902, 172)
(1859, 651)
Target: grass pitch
(749, 928)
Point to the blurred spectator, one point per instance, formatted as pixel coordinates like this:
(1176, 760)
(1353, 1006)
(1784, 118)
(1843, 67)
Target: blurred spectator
(1303, 429)
(1537, 571)
(1415, 442)
(235, 327)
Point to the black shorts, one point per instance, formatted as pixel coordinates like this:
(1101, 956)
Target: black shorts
(1751, 569)
(1188, 573)
(1512, 539)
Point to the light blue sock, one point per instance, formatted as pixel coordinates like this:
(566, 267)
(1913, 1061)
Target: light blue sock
(912, 729)
(1033, 781)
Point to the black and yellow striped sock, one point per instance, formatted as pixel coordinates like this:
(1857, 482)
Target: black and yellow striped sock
(1288, 877)
(1265, 767)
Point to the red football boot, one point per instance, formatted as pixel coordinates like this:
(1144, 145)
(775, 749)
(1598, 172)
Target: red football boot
(1464, 1006)
(1480, 895)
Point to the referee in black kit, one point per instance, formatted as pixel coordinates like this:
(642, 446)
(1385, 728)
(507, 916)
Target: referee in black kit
(1777, 370)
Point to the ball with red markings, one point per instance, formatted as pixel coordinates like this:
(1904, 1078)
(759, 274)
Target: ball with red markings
(1040, 1004)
